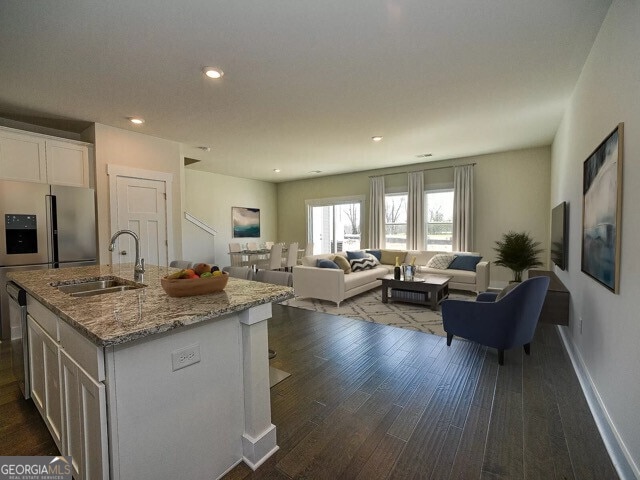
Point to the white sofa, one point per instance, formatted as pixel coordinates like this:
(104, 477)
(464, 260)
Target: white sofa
(310, 281)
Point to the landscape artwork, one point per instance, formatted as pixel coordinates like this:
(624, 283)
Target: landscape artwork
(246, 222)
(601, 211)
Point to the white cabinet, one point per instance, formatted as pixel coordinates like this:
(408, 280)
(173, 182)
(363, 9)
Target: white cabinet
(85, 417)
(72, 401)
(22, 157)
(67, 163)
(44, 358)
(37, 158)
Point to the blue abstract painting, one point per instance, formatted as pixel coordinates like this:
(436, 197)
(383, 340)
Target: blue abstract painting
(601, 212)
(246, 222)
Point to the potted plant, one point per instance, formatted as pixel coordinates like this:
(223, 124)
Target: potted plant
(518, 252)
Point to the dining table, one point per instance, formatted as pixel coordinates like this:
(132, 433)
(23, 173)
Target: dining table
(248, 258)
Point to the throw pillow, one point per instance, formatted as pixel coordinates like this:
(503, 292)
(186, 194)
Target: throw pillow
(506, 290)
(440, 261)
(375, 253)
(388, 257)
(359, 264)
(343, 263)
(373, 257)
(356, 254)
(326, 263)
(465, 262)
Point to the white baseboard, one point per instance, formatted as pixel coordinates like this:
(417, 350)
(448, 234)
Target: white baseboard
(620, 456)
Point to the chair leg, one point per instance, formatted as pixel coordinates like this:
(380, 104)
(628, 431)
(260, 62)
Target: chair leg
(527, 348)
(449, 338)
(500, 357)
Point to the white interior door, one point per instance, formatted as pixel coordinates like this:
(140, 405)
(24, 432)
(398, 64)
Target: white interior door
(141, 206)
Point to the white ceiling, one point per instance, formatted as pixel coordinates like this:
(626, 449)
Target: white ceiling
(307, 83)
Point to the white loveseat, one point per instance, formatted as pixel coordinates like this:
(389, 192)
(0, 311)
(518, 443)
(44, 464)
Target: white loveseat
(310, 281)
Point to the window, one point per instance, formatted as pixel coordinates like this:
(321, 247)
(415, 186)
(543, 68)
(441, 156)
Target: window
(438, 210)
(334, 225)
(395, 220)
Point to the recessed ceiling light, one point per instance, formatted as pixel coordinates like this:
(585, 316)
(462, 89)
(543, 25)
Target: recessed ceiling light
(315, 171)
(136, 120)
(212, 72)
(277, 170)
(377, 138)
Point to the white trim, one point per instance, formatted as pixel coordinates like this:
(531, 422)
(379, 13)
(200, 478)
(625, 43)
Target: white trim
(620, 456)
(199, 223)
(115, 171)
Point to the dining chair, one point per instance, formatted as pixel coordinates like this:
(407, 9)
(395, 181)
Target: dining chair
(268, 245)
(292, 257)
(275, 257)
(235, 255)
(253, 246)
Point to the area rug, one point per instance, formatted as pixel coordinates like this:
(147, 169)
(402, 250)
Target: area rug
(368, 306)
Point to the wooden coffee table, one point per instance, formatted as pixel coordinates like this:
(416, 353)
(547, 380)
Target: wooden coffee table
(427, 290)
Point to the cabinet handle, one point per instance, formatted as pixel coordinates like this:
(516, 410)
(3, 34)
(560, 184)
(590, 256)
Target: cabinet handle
(123, 252)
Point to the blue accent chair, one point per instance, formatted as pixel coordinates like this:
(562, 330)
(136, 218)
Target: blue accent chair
(502, 323)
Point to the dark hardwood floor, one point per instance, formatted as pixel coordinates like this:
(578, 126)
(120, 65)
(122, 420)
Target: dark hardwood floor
(367, 401)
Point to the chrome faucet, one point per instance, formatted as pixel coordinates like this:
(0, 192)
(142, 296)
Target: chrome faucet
(138, 269)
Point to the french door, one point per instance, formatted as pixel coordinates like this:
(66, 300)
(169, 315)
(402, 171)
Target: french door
(335, 225)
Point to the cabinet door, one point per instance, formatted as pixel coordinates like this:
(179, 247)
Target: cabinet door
(22, 157)
(53, 391)
(72, 441)
(93, 412)
(36, 363)
(67, 163)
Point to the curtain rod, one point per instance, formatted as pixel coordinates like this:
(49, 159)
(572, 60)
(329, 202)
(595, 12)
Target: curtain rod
(423, 170)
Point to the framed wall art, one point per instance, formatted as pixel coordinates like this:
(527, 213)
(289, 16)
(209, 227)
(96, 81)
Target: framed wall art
(602, 211)
(246, 222)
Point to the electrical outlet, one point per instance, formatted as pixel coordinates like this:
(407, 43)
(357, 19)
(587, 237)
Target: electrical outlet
(185, 356)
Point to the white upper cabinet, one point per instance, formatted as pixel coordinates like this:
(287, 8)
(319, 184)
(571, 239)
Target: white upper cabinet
(67, 163)
(22, 157)
(37, 158)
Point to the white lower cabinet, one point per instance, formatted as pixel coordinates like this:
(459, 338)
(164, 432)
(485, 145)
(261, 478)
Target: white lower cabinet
(85, 417)
(44, 365)
(72, 402)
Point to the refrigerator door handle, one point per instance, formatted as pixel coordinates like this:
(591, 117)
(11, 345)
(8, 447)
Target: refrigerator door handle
(52, 228)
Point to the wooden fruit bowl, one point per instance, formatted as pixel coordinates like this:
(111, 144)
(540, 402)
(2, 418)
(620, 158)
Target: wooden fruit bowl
(188, 287)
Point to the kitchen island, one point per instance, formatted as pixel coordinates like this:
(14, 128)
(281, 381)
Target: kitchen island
(137, 384)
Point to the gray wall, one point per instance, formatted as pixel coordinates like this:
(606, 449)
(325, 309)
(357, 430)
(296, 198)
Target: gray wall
(512, 193)
(608, 92)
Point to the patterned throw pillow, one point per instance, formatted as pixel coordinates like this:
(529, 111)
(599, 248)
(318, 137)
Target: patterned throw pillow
(359, 264)
(440, 261)
(374, 258)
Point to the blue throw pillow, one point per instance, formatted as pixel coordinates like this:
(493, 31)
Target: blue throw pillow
(465, 262)
(375, 253)
(355, 255)
(326, 263)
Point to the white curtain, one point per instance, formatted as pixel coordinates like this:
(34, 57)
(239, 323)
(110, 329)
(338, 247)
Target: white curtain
(415, 212)
(376, 212)
(463, 209)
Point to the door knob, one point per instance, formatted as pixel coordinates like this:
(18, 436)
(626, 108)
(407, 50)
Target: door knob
(123, 252)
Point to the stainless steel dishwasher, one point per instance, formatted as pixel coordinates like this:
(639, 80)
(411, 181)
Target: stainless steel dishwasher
(18, 325)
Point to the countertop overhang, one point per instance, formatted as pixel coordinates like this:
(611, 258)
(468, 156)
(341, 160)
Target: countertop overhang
(116, 318)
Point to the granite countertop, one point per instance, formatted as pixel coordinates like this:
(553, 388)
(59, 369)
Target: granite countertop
(115, 318)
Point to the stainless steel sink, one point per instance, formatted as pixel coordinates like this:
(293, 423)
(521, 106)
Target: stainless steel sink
(97, 286)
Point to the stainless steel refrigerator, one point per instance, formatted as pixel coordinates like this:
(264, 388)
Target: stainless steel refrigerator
(43, 226)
